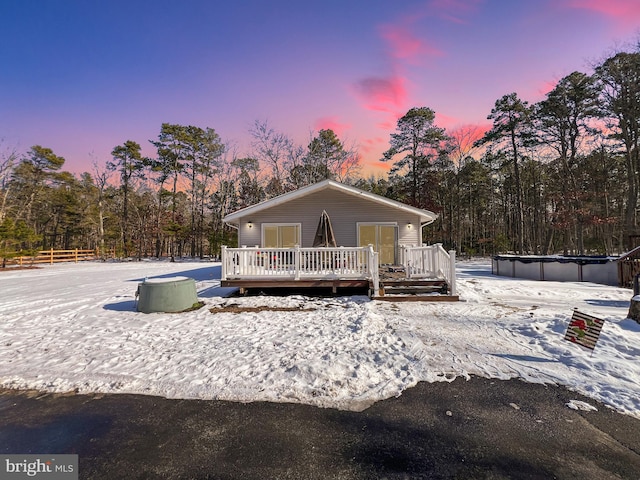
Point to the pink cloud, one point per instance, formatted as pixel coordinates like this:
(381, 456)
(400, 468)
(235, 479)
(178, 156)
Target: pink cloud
(625, 12)
(381, 166)
(370, 144)
(390, 93)
(548, 86)
(383, 94)
(332, 123)
(466, 135)
(405, 46)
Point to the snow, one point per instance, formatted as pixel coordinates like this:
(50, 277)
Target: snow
(580, 405)
(74, 327)
(177, 278)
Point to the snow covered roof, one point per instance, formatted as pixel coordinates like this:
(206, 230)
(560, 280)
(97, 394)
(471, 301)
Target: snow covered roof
(426, 216)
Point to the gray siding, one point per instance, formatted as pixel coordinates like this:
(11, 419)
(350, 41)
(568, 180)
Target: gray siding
(345, 211)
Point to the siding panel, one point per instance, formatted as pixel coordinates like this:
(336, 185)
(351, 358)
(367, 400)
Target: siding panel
(345, 212)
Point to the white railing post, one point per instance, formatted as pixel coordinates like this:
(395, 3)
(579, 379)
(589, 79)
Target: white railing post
(452, 280)
(373, 267)
(434, 259)
(243, 265)
(376, 275)
(443, 260)
(406, 262)
(223, 253)
(296, 262)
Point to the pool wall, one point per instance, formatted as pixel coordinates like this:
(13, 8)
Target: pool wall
(603, 270)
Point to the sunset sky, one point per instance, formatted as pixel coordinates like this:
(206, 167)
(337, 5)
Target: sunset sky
(82, 76)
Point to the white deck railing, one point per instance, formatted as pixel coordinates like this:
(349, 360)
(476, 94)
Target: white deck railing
(256, 263)
(430, 261)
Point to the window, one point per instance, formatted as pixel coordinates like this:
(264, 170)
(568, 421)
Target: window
(286, 235)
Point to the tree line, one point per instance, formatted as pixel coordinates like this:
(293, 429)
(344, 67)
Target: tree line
(171, 204)
(558, 176)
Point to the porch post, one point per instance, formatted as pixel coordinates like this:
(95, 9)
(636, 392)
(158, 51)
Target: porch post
(434, 259)
(223, 254)
(452, 259)
(376, 275)
(404, 249)
(373, 266)
(297, 262)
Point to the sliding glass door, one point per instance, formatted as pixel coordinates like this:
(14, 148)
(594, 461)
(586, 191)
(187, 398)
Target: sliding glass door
(382, 237)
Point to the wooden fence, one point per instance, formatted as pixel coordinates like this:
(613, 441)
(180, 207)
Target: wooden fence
(628, 267)
(54, 256)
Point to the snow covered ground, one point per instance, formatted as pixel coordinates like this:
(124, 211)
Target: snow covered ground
(75, 327)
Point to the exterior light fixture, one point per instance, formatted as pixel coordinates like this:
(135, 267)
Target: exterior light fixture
(250, 224)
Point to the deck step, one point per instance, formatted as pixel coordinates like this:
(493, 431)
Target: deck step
(407, 282)
(418, 298)
(413, 286)
(414, 289)
(402, 289)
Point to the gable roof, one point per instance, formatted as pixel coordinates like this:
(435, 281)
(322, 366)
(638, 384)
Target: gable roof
(426, 216)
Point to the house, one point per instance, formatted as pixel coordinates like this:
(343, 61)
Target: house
(276, 239)
(358, 219)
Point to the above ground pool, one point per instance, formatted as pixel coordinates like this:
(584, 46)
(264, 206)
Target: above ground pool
(596, 269)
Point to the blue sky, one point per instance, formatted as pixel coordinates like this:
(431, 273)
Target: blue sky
(81, 77)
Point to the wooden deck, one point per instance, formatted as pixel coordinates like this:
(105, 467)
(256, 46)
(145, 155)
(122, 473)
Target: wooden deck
(427, 273)
(394, 286)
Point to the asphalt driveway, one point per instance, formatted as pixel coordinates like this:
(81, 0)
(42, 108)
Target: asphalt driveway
(476, 429)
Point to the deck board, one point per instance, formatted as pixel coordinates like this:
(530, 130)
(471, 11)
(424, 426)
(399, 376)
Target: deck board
(304, 283)
(417, 298)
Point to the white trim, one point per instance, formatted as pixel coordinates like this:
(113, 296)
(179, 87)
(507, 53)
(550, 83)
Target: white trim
(426, 216)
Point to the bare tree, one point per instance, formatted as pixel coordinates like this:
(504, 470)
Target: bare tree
(272, 148)
(101, 179)
(462, 143)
